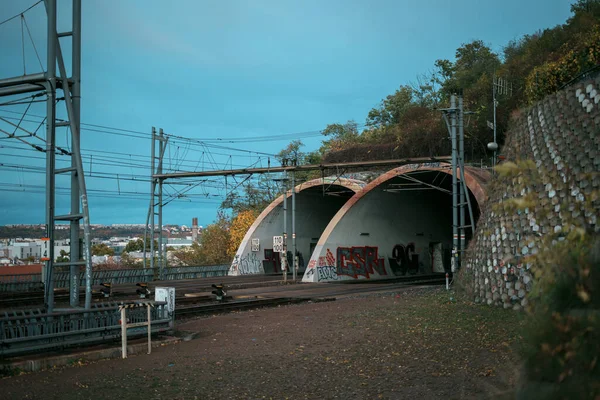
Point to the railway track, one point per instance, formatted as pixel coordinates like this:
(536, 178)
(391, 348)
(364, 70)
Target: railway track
(12, 300)
(234, 305)
(189, 292)
(205, 305)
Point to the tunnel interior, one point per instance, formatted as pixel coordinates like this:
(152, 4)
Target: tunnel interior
(402, 226)
(436, 186)
(315, 206)
(430, 248)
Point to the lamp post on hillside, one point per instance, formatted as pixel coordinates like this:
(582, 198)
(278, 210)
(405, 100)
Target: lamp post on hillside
(500, 86)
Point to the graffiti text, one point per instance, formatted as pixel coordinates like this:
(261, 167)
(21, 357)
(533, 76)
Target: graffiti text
(326, 274)
(404, 259)
(355, 261)
(248, 264)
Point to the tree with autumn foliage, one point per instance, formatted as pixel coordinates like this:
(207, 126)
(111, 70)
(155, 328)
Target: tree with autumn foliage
(239, 226)
(213, 248)
(214, 242)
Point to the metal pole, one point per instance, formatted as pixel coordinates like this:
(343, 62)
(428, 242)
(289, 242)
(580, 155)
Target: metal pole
(454, 183)
(76, 101)
(494, 96)
(50, 148)
(80, 177)
(295, 266)
(161, 261)
(461, 187)
(284, 261)
(153, 188)
(151, 206)
(149, 329)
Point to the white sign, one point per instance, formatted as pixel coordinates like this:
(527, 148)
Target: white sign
(255, 244)
(166, 294)
(45, 254)
(278, 244)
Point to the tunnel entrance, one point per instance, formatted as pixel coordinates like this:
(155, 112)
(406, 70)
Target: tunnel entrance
(317, 201)
(427, 193)
(399, 224)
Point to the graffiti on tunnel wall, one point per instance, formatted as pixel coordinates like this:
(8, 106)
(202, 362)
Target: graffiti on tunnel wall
(272, 262)
(351, 261)
(327, 273)
(328, 260)
(324, 268)
(404, 259)
(359, 261)
(248, 264)
(363, 261)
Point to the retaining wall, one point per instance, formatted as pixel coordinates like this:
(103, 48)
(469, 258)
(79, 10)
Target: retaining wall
(561, 135)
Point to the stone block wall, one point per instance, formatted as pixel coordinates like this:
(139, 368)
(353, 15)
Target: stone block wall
(561, 135)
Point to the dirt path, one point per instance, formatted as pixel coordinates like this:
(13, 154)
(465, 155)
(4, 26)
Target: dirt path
(413, 344)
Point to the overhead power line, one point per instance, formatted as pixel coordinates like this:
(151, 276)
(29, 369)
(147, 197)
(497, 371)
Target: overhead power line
(148, 135)
(21, 13)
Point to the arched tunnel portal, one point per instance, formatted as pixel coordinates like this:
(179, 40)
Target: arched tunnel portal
(317, 201)
(400, 223)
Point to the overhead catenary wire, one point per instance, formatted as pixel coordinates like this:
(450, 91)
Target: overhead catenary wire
(21, 13)
(128, 160)
(184, 148)
(212, 198)
(107, 175)
(244, 139)
(194, 142)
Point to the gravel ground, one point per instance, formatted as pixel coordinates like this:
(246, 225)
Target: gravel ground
(413, 343)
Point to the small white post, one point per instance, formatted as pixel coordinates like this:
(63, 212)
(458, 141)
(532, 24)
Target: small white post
(284, 265)
(149, 329)
(447, 282)
(123, 332)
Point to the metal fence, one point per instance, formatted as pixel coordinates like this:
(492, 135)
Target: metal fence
(20, 282)
(33, 330)
(30, 282)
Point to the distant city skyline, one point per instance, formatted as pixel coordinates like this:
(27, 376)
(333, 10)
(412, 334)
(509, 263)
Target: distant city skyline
(228, 70)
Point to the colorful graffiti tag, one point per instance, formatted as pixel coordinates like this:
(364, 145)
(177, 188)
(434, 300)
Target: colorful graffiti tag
(359, 261)
(363, 261)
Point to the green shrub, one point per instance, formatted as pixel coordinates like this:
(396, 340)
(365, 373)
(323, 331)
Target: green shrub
(562, 337)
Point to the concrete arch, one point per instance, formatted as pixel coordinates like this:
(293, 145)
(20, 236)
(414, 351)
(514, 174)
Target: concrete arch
(378, 236)
(317, 201)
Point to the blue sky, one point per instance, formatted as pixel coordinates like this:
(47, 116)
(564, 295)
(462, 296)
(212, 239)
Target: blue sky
(229, 69)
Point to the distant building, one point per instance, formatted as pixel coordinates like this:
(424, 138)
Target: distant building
(179, 242)
(25, 250)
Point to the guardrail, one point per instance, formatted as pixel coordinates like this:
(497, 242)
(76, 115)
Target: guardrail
(33, 330)
(30, 282)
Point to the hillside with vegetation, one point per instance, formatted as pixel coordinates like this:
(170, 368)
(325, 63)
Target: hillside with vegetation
(408, 123)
